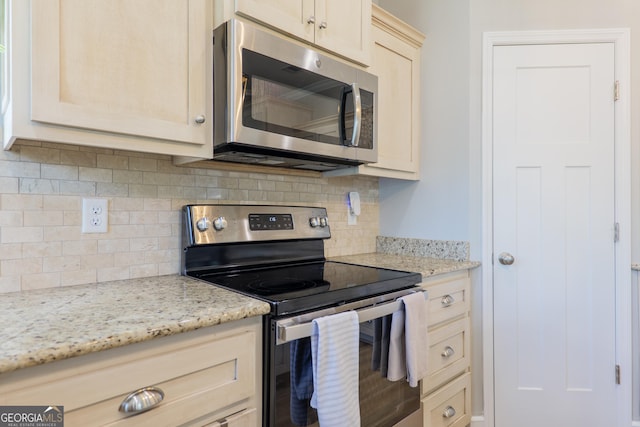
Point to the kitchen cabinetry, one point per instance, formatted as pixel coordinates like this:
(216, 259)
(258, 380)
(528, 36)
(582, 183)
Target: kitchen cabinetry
(396, 62)
(446, 391)
(342, 27)
(209, 377)
(127, 75)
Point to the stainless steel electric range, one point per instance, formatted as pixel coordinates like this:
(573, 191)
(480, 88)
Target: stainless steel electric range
(276, 254)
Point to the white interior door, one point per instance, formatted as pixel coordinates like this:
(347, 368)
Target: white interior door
(553, 192)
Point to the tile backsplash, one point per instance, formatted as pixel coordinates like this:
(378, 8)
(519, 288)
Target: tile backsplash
(42, 186)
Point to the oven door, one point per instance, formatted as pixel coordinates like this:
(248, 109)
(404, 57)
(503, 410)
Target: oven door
(288, 379)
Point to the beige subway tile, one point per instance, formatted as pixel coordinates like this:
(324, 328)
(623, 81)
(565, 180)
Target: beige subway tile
(169, 242)
(143, 244)
(19, 202)
(110, 161)
(95, 174)
(80, 277)
(113, 246)
(59, 172)
(61, 263)
(9, 284)
(72, 218)
(78, 158)
(45, 219)
(157, 204)
(39, 186)
(143, 190)
(143, 164)
(112, 273)
(143, 270)
(78, 187)
(11, 251)
(39, 155)
(160, 256)
(40, 281)
(126, 231)
(144, 217)
(206, 181)
(10, 185)
(170, 217)
(19, 169)
(158, 230)
(109, 189)
(41, 249)
(97, 261)
(171, 191)
(127, 259)
(61, 233)
(61, 203)
(11, 218)
(79, 247)
(127, 177)
(165, 268)
(118, 217)
(16, 267)
(21, 234)
(127, 204)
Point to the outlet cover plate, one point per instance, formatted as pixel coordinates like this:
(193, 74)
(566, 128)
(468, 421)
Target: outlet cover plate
(95, 215)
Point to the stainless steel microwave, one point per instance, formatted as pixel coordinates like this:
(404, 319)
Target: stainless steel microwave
(280, 103)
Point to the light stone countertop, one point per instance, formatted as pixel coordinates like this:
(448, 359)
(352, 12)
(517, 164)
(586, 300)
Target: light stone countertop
(427, 266)
(42, 326)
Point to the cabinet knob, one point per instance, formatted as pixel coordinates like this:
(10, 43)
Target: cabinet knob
(311, 20)
(323, 25)
(449, 412)
(448, 352)
(447, 300)
(141, 400)
(200, 119)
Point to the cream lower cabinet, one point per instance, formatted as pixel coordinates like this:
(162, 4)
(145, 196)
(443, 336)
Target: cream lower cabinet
(210, 377)
(396, 62)
(116, 74)
(446, 391)
(341, 27)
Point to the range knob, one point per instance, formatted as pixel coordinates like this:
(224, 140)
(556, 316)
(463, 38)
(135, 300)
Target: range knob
(314, 221)
(203, 224)
(220, 223)
(324, 221)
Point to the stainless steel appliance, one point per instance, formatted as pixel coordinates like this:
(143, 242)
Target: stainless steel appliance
(279, 103)
(276, 253)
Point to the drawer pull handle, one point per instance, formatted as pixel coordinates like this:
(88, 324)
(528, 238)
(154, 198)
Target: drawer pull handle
(449, 412)
(447, 300)
(141, 400)
(448, 352)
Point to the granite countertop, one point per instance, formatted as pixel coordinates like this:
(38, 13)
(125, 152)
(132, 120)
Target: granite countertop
(427, 266)
(42, 326)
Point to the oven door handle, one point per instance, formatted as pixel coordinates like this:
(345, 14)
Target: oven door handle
(288, 330)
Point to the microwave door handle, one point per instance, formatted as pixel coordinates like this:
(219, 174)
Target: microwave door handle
(357, 115)
(287, 333)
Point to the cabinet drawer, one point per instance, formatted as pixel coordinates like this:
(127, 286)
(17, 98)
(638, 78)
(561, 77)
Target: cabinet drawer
(450, 406)
(246, 418)
(448, 300)
(197, 380)
(449, 348)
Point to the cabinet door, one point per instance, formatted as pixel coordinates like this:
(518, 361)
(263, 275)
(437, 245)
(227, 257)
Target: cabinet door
(396, 62)
(344, 27)
(135, 68)
(290, 16)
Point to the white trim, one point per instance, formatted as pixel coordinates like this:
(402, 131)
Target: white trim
(478, 421)
(621, 40)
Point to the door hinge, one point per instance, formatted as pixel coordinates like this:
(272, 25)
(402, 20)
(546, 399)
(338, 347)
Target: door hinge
(616, 232)
(618, 374)
(616, 90)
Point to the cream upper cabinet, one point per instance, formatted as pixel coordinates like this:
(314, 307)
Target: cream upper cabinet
(342, 27)
(396, 62)
(112, 73)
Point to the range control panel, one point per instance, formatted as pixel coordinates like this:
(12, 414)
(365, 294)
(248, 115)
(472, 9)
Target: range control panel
(209, 224)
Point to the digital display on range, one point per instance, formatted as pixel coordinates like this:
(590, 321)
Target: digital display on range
(259, 222)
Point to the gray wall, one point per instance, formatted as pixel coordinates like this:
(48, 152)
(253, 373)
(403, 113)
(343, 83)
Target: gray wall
(447, 202)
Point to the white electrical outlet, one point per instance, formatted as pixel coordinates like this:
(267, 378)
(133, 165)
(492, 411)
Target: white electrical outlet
(95, 215)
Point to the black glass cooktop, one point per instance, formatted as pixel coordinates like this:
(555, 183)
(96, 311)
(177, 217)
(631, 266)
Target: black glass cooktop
(308, 286)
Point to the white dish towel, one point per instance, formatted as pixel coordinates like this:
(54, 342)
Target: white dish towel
(334, 351)
(408, 341)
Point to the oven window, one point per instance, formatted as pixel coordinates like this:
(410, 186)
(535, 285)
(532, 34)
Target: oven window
(382, 403)
(284, 99)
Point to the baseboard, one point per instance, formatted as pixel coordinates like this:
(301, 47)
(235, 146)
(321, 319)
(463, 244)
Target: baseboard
(478, 421)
